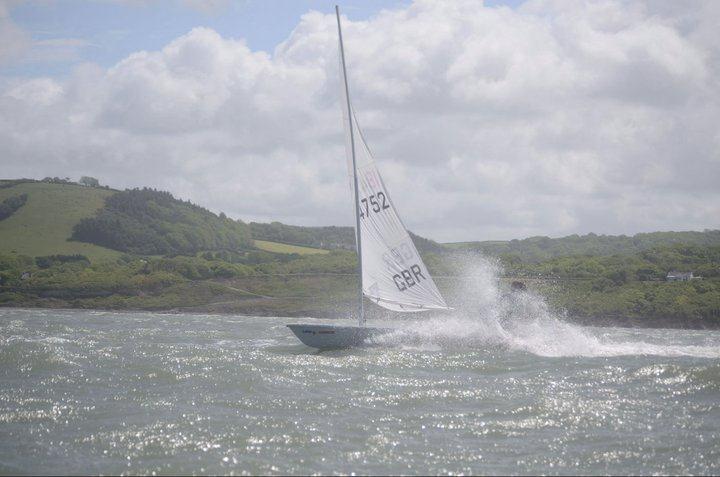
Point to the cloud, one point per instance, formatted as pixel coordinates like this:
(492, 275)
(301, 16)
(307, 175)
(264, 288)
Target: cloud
(553, 118)
(14, 41)
(202, 6)
(55, 50)
(206, 6)
(17, 45)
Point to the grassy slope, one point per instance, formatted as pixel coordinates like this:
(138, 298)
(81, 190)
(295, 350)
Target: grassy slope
(43, 225)
(277, 247)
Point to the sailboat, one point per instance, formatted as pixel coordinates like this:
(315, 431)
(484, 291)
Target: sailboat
(390, 270)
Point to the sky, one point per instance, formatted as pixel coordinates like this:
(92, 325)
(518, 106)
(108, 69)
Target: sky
(489, 121)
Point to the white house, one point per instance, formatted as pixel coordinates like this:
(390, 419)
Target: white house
(675, 276)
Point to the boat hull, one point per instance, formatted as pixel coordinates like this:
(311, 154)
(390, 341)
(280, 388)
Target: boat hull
(335, 337)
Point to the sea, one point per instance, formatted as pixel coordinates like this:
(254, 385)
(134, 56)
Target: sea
(104, 392)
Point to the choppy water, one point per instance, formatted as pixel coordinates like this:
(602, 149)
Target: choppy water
(101, 392)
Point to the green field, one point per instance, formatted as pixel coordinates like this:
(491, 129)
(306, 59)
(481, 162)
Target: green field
(277, 247)
(43, 225)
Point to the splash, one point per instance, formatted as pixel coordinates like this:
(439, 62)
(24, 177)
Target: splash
(489, 315)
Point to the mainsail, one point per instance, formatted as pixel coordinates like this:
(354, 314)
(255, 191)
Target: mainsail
(393, 274)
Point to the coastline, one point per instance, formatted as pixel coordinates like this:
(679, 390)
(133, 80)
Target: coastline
(616, 321)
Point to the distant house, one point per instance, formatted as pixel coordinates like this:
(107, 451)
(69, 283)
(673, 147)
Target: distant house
(675, 276)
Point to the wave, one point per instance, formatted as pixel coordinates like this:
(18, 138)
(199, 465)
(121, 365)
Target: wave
(24, 356)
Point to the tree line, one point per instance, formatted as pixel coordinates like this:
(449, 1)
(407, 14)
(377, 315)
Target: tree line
(151, 222)
(330, 237)
(537, 249)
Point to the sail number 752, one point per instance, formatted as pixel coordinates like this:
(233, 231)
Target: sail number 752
(374, 203)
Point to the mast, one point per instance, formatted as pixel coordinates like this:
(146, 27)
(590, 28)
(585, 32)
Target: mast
(358, 239)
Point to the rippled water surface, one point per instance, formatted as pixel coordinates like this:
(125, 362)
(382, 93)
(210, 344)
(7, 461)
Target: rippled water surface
(97, 392)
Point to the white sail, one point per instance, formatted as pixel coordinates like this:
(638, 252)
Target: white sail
(393, 274)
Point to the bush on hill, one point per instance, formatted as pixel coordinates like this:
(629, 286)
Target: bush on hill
(11, 204)
(150, 222)
(88, 181)
(50, 260)
(7, 183)
(59, 180)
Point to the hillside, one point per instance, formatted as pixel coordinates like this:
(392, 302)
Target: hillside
(277, 247)
(330, 238)
(150, 222)
(536, 249)
(152, 251)
(55, 216)
(43, 225)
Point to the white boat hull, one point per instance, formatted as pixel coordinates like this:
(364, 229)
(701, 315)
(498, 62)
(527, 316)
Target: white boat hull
(335, 337)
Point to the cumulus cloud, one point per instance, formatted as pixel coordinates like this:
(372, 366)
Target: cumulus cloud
(553, 118)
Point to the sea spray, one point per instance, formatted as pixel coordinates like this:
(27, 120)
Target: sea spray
(488, 314)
